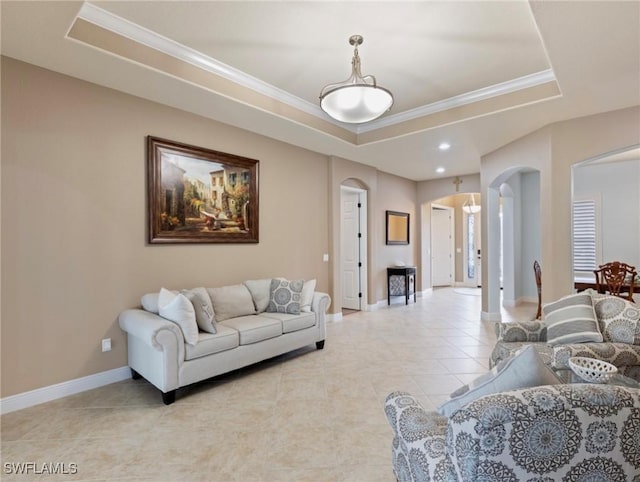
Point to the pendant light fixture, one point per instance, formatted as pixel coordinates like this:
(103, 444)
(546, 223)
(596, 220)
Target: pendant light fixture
(358, 99)
(470, 206)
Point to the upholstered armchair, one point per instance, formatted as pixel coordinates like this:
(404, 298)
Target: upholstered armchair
(546, 433)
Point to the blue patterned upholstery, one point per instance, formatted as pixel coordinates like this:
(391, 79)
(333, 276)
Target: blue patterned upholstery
(575, 432)
(514, 335)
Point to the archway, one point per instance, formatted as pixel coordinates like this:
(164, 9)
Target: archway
(513, 240)
(466, 245)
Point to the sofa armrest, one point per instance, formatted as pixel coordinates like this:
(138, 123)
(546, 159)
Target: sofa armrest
(419, 436)
(152, 330)
(521, 331)
(320, 303)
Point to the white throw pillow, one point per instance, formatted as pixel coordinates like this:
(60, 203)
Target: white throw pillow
(149, 302)
(523, 370)
(205, 316)
(231, 302)
(260, 290)
(177, 308)
(306, 297)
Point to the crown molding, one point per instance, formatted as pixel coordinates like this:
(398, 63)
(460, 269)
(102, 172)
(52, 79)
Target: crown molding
(107, 20)
(484, 93)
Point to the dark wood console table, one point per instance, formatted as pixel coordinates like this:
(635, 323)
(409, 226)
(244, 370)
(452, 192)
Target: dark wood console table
(408, 275)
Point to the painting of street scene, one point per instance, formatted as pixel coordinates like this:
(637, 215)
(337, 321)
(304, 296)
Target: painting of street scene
(203, 197)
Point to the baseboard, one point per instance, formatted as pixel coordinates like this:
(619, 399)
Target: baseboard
(64, 389)
(520, 301)
(334, 317)
(486, 316)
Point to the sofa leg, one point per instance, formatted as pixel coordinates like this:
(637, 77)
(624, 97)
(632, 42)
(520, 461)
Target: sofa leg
(169, 397)
(320, 345)
(135, 375)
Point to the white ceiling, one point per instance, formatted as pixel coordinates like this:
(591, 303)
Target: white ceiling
(475, 74)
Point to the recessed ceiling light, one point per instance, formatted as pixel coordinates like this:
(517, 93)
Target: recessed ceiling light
(444, 146)
(440, 170)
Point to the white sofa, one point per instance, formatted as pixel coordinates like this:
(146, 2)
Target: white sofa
(243, 323)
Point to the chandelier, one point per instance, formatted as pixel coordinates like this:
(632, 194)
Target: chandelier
(358, 99)
(470, 206)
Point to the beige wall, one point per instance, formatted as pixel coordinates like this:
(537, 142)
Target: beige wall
(552, 150)
(73, 220)
(395, 194)
(384, 192)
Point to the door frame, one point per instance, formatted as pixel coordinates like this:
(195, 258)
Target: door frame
(452, 233)
(362, 197)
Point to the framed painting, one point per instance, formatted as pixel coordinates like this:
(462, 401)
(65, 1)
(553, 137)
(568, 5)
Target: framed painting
(397, 227)
(198, 195)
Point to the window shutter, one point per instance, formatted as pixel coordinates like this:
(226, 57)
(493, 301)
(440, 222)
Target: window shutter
(584, 235)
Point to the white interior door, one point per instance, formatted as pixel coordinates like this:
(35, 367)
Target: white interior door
(442, 246)
(351, 250)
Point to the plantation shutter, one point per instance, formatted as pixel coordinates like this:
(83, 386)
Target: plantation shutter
(584, 235)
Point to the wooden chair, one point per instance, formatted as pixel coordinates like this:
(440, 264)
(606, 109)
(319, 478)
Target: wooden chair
(616, 278)
(538, 274)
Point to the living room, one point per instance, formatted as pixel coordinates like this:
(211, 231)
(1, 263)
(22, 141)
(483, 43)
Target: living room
(75, 254)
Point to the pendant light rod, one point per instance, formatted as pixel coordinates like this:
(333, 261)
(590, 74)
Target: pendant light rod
(358, 99)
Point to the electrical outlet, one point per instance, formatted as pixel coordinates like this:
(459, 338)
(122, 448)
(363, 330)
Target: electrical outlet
(106, 344)
(325, 257)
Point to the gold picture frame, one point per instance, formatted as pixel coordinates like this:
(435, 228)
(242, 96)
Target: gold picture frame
(198, 195)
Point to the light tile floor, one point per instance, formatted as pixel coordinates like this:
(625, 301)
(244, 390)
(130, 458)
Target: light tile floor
(311, 415)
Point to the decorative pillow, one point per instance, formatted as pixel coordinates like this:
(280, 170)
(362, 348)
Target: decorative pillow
(523, 370)
(201, 301)
(306, 297)
(231, 302)
(260, 290)
(618, 319)
(177, 308)
(571, 319)
(285, 296)
(149, 302)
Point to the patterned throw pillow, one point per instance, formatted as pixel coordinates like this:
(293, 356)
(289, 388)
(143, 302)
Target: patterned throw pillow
(618, 319)
(201, 301)
(285, 296)
(571, 319)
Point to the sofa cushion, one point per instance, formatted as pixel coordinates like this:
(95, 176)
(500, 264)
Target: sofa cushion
(526, 369)
(225, 339)
(293, 322)
(285, 296)
(254, 328)
(260, 290)
(177, 308)
(618, 354)
(306, 296)
(618, 319)
(201, 301)
(571, 319)
(231, 302)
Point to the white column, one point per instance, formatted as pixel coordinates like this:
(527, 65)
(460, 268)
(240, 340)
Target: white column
(491, 256)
